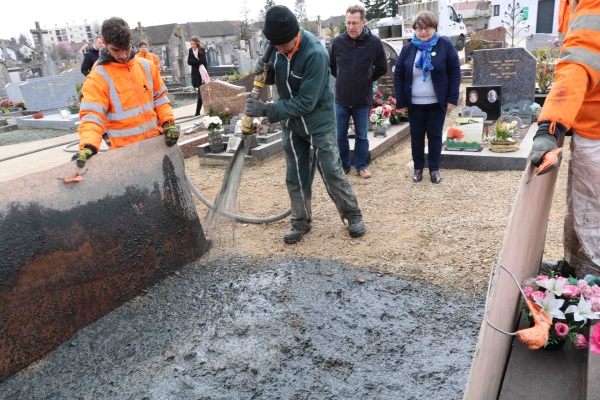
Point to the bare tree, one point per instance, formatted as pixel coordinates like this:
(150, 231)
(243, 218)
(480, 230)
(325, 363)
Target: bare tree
(300, 11)
(246, 26)
(26, 40)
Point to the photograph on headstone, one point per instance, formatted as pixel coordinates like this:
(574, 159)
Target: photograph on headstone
(466, 134)
(514, 69)
(486, 98)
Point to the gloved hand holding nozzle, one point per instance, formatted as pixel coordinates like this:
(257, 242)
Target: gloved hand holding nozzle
(259, 66)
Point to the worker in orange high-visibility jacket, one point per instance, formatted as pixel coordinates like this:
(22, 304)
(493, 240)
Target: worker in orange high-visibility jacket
(144, 53)
(124, 98)
(573, 106)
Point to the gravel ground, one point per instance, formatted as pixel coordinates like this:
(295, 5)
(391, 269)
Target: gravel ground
(274, 329)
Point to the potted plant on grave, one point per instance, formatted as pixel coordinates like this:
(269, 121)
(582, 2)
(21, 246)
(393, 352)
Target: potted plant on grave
(502, 142)
(536, 109)
(544, 73)
(475, 42)
(570, 302)
(214, 126)
(380, 118)
(73, 105)
(226, 116)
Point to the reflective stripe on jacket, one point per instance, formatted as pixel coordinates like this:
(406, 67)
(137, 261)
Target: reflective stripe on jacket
(574, 99)
(128, 102)
(150, 57)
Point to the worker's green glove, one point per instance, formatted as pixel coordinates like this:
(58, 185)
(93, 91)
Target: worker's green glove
(257, 108)
(171, 132)
(543, 142)
(83, 155)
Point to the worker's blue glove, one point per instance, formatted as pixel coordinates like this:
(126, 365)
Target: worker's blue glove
(83, 155)
(543, 142)
(257, 108)
(259, 66)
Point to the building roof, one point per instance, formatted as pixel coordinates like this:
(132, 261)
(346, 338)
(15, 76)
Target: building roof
(213, 28)
(335, 21)
(78, 46)
(157, 34)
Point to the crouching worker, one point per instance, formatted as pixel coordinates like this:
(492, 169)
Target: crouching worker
(300, 71)
(124, 98)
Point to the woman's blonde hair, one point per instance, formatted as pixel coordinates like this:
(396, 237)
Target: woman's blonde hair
(196, 40)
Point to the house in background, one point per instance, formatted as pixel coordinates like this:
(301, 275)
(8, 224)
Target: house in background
(11, 54)
(541, 16)
(25, 50)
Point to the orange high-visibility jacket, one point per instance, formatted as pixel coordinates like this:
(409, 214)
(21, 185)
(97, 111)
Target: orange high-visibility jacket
(150, 57)
(574, 100)
(126, 103)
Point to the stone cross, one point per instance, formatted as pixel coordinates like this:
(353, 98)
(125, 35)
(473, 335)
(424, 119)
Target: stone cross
(184, 77)
(40, 34)
(6, 60)
(142, 31)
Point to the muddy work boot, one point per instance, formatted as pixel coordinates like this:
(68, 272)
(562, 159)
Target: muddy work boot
(356, 227)
(295, 234)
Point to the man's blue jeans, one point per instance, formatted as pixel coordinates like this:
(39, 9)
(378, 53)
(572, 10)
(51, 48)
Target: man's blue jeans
(360, 116)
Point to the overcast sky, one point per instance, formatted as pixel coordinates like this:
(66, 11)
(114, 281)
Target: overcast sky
(148, 12)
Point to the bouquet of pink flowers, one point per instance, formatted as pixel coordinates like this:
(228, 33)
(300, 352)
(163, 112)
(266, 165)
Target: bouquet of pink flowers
(570, 302)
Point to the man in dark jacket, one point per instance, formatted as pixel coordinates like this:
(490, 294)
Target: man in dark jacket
(357, 59)
(91, 56)
(300, 70)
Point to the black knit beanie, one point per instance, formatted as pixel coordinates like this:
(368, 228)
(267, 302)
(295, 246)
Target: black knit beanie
(281, 25)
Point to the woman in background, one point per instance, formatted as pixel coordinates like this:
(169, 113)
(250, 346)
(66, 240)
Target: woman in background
(196, 58)
(427, 84)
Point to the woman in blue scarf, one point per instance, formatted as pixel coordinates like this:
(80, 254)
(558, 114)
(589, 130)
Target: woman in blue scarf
(427, 84)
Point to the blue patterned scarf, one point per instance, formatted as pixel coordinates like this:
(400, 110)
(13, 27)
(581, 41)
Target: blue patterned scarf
(424, 61)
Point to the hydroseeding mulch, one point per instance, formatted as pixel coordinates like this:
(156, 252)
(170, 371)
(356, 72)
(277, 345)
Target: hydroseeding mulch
(238, 328)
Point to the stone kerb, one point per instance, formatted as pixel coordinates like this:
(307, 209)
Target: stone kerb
(221, 94)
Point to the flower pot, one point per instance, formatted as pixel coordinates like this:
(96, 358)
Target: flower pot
(371, 126)
(555, 346)
(38, 115)
(215, 141)
(394, 121)
(380, 130)
(503, 146)
(74, 110)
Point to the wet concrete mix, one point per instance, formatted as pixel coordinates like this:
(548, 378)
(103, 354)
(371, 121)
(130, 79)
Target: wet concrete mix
(238, 328)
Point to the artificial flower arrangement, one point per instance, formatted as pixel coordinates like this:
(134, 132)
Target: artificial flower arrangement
(504, 131)
(4, 104)
(570, 303)
(212, 123)
(379, 103)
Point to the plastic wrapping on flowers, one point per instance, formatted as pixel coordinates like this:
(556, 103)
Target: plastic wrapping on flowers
(570, 302)
(212, 123)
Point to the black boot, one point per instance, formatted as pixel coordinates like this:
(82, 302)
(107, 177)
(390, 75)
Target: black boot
(418, 175)
(295, 234)
(356, 227)
(435, 176)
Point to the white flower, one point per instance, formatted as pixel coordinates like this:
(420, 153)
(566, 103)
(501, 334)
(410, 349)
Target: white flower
(514, 124)
(238, 122)
(206, 121)
(550, 305)
(553, 285)
(388, 108)
(379, 110)
(215, 120)
(582, 311)
(373, 118)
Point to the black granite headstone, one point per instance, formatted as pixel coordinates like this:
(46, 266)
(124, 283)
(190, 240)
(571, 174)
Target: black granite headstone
(486, 98)
(522, 110)
(385, 84)
(512, 68)
(213, 57)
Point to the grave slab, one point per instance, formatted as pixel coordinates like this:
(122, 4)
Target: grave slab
(486, 160)
(52, 121)
(13, 91)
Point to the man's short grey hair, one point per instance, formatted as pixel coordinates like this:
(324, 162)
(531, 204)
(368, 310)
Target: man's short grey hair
(97, 37)
(357, 8)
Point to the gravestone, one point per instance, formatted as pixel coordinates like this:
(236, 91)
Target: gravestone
(484, 98)
(521, 109)
(539, 40)
(4, 75)
(485, 44)
(48, 94)
(244, 62)
(13, 91)
(225, 53)
(494, 35)
(213, 59)
(253, 45)
(385, 84)
(513, 68)
(248, 83)
(76, 74)
(219, 95)
(242, 44)
(49, 68)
